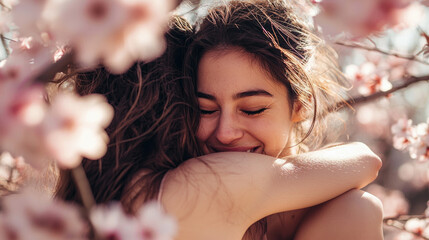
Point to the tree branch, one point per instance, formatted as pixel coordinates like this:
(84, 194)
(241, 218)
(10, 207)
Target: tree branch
(3, 42)
(83, 187)
(376, 49)
(353, 101)
(398, 222)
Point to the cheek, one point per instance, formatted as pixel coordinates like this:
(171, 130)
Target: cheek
(275, 134)
(204, 130)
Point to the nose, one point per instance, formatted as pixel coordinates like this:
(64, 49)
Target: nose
(228, 130)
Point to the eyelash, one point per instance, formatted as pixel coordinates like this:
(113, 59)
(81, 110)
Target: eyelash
(205, 112)
(250, 113)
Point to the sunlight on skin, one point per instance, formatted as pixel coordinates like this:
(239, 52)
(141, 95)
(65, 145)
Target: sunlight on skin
(284, 165)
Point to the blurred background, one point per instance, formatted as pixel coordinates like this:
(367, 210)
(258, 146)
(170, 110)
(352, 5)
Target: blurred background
(403, 182)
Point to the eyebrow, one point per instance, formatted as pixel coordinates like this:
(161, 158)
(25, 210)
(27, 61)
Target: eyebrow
(258, 92)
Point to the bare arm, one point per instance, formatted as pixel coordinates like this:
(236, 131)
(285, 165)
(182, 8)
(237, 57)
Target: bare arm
(247, 187)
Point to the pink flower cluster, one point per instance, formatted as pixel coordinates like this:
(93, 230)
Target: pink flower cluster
(414, 138)
(366, 79)
(364, 17)
(150, 223)
(415, 228)
(376, 73)
(114, 33)
(419, 227)
(33, 215)
(68, 129)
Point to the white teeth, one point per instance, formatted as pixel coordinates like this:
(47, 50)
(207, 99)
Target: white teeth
(249, 150)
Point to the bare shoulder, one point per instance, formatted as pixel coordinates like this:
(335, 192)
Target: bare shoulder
(216, 176)
(212, 192)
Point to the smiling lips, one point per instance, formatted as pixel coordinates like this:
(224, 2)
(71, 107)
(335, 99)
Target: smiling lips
(235, 149)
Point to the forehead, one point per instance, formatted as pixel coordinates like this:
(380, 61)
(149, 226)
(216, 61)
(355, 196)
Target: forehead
(233, 68)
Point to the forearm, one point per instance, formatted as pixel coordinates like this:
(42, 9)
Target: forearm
(314, 177)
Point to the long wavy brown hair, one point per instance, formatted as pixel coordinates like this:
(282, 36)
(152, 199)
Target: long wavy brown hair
(156, 116)
(287, 47)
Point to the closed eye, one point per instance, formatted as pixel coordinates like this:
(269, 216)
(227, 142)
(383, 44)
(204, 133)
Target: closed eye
(206, 112)
(259, 111)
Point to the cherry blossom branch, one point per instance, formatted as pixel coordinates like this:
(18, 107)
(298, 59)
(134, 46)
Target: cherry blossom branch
(83, 187)
(407, 81)
(376, 49)
(396, 223)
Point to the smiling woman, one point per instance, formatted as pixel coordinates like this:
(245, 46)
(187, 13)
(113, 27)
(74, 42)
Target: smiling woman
(242, 107)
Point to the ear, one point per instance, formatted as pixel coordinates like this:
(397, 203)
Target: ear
(298, 112)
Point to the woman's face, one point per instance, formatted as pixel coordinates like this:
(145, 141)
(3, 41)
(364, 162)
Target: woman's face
(242, 107)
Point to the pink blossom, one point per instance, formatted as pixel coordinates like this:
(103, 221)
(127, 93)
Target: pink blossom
(22, 109)
(409, 17)
(27, 59)
(406, 236)
(419, 148)
(156, 224)
(360, 18)
(26, 15)
(85, 25)
(115, 33)
(402, 133)
(5, 22)
(74, 127)
(32, 215)
(413, 138)
(416, 225)
(16, 67)
(110, 222)
(150, 223)
(367, 78)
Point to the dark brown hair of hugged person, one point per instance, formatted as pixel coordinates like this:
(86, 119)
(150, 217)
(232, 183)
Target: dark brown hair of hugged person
(156, 116)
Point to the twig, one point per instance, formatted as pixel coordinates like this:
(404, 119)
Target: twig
(376, 49)
(362, 99)
(83, 187)
(404, 217)
(398, 222)
(3, 42)
(49, 73)
(10, 39)
(4, 6)
(82, 183)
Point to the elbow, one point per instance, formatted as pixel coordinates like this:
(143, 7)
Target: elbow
(377, 164)
(371, 160)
